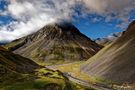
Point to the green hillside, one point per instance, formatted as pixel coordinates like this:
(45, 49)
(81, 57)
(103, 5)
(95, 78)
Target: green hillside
(19, 73)
(116, 62)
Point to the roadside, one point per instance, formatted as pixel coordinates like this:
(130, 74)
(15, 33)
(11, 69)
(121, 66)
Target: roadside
(72, 72)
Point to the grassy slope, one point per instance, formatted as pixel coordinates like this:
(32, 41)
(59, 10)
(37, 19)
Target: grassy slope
(30, 79)
(114, 61)
(37, 80)
(41, 79)
(16, 62)
(72, 52)
(73, 69)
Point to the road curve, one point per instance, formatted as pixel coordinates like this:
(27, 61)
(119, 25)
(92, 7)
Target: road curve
(86, 84)
(81, 82)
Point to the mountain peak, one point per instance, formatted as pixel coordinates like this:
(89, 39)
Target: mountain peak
(131, 28)
(128, 34)
(132, 23)
(59, 41)
(60, 28)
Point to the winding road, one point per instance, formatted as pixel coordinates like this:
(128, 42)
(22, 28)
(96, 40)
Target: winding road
(81, 82)
(86, 84)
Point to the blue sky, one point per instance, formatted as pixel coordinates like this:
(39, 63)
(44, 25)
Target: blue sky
(101, 28)
(4, 19)
(98, 29)
(19, 18)
(93, 30)
(2, 4)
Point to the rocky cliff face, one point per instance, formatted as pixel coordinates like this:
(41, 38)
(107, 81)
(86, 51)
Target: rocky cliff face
(55, 42)
(115, 62)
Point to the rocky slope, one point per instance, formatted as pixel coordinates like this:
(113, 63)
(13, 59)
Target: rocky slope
(55, 42)
(115, 62)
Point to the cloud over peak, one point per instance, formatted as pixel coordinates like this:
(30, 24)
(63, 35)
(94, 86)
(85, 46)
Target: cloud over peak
(31, 15)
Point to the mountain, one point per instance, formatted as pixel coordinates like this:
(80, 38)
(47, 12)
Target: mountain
(15, 62)
(115, 62)
(109, 39)
(55, 42)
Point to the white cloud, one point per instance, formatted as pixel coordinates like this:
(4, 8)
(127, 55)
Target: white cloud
(19, 9)
(31, 15)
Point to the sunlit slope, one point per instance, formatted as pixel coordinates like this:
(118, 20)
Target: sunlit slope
(40, 79)
(115, 62)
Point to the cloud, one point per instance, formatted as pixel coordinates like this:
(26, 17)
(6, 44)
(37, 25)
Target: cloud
(111, 9)
(110, 6)
(31, 15)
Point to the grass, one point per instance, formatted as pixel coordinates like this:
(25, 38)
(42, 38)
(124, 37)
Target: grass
(74, 70)
(41, 79)
(13, 44)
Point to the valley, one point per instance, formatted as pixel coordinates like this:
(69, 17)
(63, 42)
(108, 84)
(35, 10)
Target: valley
(55, 58)
(72, 71)
(67, 44)
(56, 40)
(31, 77)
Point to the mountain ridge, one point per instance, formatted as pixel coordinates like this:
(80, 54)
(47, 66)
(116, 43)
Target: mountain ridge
(109, 39)
(16, 62)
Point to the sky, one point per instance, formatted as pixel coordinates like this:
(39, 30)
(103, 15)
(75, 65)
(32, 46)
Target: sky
(94, 18)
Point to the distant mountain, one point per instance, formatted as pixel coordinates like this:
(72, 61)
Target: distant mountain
(3, 42)
(55, 42)
(109, 39)
(115, 62)
(15, 62)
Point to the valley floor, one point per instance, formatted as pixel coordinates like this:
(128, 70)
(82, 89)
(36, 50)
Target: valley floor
(72, 71)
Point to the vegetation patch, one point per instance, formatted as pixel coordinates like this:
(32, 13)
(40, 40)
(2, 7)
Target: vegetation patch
(41, 79)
